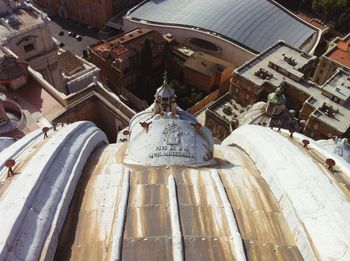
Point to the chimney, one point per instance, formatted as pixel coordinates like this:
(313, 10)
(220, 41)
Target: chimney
(94, 79)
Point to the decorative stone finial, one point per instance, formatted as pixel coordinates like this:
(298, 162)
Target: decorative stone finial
(283, 85)
(165, 98)
(165, 79)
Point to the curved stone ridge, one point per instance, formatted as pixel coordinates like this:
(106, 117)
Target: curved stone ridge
(315, 210)
(339, 147)
(232, 223)
(5, 142)
(17, 148)
(42, 192)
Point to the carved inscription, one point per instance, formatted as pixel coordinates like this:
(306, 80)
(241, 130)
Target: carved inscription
(172, 134)
(172, 147)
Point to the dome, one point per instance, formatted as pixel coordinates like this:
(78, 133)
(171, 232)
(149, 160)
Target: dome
(164, 134)
(258, 115)
(10, 68)
(165, 91)
(73, 196)
(11, 115)
(13, 73)
(2, 97)
(277, 97)
(340, 147)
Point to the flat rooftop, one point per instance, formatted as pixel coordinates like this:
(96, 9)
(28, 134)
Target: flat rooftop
(256, 24)
(292, 60)
(119, 44)
(280, 54)
(35, 98)
(227, 108)
(37, 105)
(129, 36)
(341, 52)
(339, 85)
(19, 19)
(338, 119)
(311, 20)
(112, 43)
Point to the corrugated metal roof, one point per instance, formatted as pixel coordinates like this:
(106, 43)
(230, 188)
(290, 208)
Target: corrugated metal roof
(256, 24)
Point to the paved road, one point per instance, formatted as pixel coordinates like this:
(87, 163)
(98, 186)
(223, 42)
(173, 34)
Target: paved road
(89, 36)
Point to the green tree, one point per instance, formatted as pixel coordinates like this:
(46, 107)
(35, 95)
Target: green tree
(305, 4)
(144, 79)
(296, 4)
(344, 21)
(180, 89)
(329, 9)
(146, 59)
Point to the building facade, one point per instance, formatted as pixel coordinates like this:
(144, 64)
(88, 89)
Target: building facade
(327, 104)
(221, 116)
(13, 73)
(43, 84)
(337, 56)
(90, 12)
(328, 113)
(25, 31)
(37, 104)
(198, 69)
(124, 59)
(77, 73)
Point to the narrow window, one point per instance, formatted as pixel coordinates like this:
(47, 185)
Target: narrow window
(28, 47)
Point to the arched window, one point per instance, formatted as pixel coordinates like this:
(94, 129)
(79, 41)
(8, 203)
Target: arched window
(27, 44)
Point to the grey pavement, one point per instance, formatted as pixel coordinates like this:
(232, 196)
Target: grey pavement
(89, 35)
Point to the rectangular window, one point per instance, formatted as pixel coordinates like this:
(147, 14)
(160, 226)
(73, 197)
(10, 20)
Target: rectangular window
(28, 48)
(336, 99)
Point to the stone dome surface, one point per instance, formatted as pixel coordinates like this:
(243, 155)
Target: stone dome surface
(164, 134)
(339, 147)
(257, 115)
(263, 197)
(168, 140)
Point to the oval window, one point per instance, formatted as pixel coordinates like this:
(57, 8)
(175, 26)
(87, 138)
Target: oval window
(204, 44)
